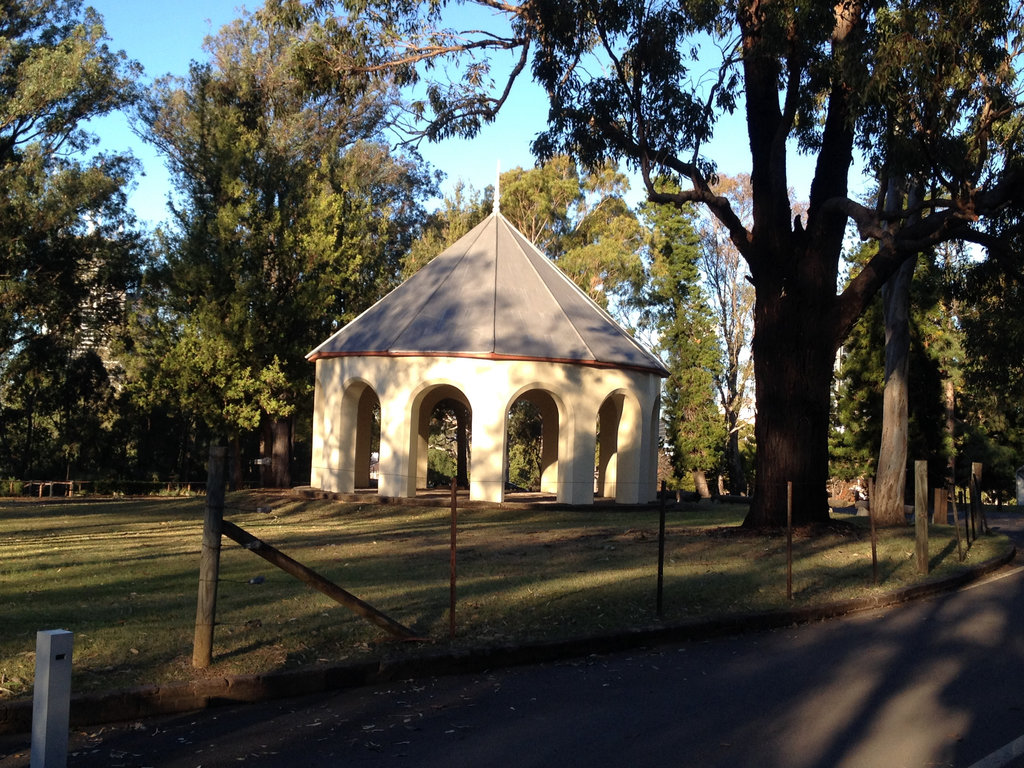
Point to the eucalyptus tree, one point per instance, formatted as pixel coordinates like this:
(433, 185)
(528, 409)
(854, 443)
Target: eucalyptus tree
(648, 83)
(731, 299)
(933, 358)
(70, 250)
(581, 221)
(290, 217)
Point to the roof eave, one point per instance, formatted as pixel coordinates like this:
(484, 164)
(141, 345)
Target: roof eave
(494, 356)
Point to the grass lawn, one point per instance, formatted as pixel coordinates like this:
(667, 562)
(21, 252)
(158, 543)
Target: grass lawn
(123, 576)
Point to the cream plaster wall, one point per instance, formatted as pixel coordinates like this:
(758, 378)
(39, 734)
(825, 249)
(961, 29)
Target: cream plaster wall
(406, 385)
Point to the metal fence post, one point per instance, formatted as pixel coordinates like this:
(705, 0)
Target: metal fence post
(51, 699)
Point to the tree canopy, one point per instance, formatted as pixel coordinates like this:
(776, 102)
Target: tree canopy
(70, 250)
(293, 217)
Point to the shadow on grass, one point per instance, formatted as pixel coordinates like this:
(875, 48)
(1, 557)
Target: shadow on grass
(125, 579)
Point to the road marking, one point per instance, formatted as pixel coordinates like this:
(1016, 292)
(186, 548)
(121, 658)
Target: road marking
(997, 577)
(1002, 756)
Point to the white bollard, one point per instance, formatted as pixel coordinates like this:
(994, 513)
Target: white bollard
(51, 699)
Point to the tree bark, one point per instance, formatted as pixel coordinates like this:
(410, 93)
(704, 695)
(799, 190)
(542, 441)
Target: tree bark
(700, 482)
(891, 472)
(280, 463)
(794, 354)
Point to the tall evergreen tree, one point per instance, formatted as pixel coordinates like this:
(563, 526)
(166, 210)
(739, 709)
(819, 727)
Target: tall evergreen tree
(674, 307)
(292, 218)
(990, 410)
(70, 251)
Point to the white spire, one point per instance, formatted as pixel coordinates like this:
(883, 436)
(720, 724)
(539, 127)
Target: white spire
(497, 189)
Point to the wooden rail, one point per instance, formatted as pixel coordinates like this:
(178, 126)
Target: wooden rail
(316, 581)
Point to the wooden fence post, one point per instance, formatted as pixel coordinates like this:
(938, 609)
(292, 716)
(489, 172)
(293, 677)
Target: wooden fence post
(209, 563)
(661, 549)
(976, 506)
(789, 540)
(940, 513)
(921, 513)
(451, 563)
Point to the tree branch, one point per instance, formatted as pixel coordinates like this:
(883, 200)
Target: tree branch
(952, 222)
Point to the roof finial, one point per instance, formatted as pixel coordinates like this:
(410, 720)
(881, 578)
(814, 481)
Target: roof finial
(497, 189)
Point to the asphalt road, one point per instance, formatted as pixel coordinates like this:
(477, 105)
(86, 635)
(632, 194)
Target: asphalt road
(933, 683)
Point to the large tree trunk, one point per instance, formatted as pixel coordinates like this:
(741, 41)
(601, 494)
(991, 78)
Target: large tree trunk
(891, 473)
(281, 459)
(700, 482)
(794, 355)
(237, 479)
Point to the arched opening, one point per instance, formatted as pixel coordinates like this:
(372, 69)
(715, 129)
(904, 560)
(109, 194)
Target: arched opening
(368, 440)
(360, 422)
(619, 441)
(531, 439)
(442, 444)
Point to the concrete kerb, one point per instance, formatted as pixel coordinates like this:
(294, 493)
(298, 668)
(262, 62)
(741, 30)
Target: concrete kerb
(176, 698)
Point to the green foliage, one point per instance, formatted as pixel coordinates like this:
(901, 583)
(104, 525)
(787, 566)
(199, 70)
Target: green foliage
(674, 307)
(457, 215)
(939, 74)
(934, 356)
(293, 218)
(992, 405)
(70, 253)
(441, 467)
(524, 445)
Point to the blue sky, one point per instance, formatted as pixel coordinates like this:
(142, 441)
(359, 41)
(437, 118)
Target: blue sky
(166, 40)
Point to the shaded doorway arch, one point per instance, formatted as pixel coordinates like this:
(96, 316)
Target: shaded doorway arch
(360, 417)
(533, 434)
(444, 423)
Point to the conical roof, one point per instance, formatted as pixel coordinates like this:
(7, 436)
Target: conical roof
(491, 295)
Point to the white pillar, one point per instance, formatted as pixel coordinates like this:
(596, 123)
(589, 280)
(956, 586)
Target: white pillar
(329, 433)
(487, 464)
(396, 475)
(576, 478)
(421, 438)
(629, 442)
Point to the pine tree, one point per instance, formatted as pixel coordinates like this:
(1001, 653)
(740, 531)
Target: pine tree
(674, 308)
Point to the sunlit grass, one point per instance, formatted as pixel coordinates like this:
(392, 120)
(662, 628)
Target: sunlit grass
(123, 577)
